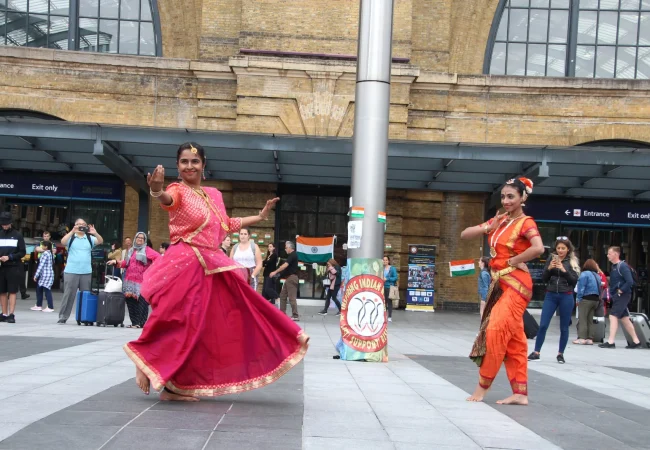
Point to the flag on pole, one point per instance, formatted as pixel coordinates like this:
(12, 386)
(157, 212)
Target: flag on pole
(462, 268)
(315, 249)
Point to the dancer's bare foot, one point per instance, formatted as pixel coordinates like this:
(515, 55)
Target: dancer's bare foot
(167, 396)
(515, 399)
(478, 395)
(142, 381)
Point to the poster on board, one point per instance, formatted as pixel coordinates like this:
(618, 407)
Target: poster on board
(421, 276)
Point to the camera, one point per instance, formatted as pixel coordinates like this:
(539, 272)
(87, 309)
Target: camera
(84, 229)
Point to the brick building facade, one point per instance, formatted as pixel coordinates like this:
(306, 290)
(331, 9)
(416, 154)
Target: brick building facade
(216, 72)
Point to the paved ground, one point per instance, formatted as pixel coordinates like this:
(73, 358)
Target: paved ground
(71, 387)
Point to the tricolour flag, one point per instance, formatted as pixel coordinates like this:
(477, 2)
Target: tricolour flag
(357, 212)
(462, 268)
(381, 217)
(315, 250)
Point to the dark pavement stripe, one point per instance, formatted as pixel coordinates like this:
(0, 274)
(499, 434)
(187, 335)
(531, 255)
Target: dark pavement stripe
(14, 347)
(562, 413)
(266, 418)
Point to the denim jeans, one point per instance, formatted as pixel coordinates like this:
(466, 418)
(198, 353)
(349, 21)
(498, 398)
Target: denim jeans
(40, 290)
(563, 303)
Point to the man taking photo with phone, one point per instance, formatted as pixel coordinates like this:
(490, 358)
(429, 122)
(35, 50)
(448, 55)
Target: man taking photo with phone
(78, 269)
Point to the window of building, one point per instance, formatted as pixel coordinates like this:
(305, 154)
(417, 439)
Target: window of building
(581, 38)
(104, 26)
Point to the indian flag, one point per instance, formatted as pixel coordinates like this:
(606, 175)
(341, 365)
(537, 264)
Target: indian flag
(357, 212)
(462, 268)
(315, 250)
(381, 217)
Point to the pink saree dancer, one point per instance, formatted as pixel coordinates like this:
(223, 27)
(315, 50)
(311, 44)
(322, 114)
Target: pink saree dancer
(209, 333)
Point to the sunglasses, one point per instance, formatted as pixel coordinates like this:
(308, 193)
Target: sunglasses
(561, 238)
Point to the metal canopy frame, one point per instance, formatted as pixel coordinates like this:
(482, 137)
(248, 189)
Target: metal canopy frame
(131, 152)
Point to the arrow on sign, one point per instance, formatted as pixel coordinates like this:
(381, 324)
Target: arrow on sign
(567, 212)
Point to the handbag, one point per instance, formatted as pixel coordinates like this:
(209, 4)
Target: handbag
(113, 284)
(393, 293)
(531, 327)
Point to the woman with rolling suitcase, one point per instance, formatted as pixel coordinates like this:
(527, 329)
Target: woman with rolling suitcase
(138, 259)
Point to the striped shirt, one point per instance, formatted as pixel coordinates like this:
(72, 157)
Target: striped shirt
(45, 272)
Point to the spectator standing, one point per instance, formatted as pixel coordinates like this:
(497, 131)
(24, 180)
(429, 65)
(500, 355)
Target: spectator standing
(116, 255)
(289, 270)
(270, 263)
(78, 270)
(390, 279)
(484, 280)
(560, 275)
(136, 263)
(163, 248)
(247, 254)
(588, 290)
(12, 250)
(225, 245)
(128, 243)
(621, 284)
(44, 278)
(334, 274)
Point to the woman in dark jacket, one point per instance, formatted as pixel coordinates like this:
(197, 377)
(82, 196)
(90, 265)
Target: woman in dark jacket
(560, 275)
(270, 263)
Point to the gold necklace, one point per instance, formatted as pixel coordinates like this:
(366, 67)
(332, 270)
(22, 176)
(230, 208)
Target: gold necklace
(206, 198)
(495, 237)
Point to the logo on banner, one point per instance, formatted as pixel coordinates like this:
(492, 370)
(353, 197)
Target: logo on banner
(363, 314)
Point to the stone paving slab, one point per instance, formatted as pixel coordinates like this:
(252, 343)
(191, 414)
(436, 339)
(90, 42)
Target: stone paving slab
(84, 396)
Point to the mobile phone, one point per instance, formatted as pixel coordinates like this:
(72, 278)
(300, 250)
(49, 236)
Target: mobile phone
(83, 229)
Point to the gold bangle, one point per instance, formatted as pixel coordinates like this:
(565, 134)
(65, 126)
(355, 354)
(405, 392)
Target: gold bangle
(156, 194)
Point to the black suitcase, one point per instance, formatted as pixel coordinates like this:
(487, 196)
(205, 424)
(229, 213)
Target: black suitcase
(110, 309)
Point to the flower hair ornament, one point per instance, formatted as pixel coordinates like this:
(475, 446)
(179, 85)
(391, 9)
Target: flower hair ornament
(193, 149)
(527, 184)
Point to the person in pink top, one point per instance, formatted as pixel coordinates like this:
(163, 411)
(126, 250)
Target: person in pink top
(138, 259)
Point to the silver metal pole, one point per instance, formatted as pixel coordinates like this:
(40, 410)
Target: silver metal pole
(372, 103)
(364, 332)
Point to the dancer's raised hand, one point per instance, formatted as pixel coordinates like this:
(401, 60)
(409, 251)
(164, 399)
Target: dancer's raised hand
(264, 213)
(156, 180)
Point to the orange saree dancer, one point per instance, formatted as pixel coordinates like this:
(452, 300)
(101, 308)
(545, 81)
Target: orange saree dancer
(501, 338)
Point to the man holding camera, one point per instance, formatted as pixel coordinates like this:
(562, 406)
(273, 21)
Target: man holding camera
(78, 269)
(12, 250)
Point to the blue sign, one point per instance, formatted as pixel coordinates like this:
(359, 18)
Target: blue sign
(421, 275)
(589, 212)
(32, 185)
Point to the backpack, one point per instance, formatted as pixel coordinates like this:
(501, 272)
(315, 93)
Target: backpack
(635, 276)
(74, 235)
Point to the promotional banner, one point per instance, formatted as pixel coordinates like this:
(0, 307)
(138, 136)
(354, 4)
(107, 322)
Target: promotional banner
(364, 319)
(421, 272)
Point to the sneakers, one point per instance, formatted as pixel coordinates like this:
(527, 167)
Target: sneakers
(633, 345)
(3, 318)
(338, 313)
(36, 308)
(560, 359)
(295, 318)
(61, 322)
(534, 356)
(390, 319)
(607, 345)
(48, 310)
(322, 313)
(25, 297)
(11, 319)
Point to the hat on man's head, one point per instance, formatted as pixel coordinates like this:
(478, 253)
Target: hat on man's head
(6, 218)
